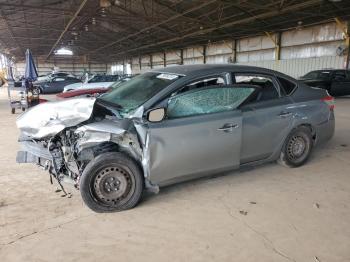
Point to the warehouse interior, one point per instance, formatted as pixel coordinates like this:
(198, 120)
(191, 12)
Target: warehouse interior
(266, 213)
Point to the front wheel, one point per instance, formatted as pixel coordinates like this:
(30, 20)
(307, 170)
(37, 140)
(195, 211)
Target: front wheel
(297, 148)
(111, 182)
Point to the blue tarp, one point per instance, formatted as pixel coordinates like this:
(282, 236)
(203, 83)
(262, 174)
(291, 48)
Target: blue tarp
(30, 73)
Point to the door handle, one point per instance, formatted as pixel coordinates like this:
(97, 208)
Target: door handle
(228, 127)
(284, 114)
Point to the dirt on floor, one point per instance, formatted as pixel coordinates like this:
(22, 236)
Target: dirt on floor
(268, 213)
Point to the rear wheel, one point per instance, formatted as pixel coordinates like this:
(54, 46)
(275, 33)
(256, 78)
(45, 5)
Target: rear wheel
(297, 148)
(111, 182)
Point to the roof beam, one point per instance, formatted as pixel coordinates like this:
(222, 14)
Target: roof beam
(37, 7)
(67, 27)
(228, 24)
(3, 17)
(154, 25)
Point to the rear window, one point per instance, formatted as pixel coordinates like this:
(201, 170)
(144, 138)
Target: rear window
(287, 86)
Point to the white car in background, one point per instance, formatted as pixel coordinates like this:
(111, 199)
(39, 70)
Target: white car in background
(98, 81)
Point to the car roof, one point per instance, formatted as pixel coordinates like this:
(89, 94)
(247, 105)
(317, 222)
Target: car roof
(189, 70)
(330, 70)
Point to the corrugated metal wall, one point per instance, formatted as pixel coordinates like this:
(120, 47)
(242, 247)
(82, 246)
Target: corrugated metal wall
(298, 67)
(301, 50)
(78, 69)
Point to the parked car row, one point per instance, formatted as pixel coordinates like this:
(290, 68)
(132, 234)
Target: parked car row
(63, 82)
(98, 81)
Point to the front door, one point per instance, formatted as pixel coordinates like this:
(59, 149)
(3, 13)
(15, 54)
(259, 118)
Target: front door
(201, 134)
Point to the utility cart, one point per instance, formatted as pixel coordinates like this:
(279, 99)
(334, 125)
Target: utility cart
(22, 97)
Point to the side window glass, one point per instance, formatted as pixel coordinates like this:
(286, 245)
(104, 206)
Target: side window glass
(203, 83)
(286, 85)
(339, 75)
(267, 89)
(206, 101)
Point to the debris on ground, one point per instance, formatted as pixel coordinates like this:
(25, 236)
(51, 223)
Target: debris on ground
(317, 205)
(242, 212)
(252, 202)
(344, 145)
(317, 259)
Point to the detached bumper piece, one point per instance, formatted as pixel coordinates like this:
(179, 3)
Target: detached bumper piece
(36, 153)
(27, 157)
(33, 153)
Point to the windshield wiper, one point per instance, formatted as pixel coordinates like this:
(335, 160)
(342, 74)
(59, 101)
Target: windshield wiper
(102, 101)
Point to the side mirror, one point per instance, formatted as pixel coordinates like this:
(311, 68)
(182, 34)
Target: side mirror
(156, 115)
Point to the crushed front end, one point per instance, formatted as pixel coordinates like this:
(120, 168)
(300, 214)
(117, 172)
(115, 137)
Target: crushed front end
(63, 137)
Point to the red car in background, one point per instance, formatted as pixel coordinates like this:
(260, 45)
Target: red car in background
(82, 92)
(92, 91)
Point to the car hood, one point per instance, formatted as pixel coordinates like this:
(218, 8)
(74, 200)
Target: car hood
(73, 86)
(97, 84)
(48, 119)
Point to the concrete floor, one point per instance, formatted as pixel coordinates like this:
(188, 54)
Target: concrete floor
(269, 213)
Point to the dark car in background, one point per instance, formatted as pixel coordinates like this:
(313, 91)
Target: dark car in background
(55, 84)
(335, 81)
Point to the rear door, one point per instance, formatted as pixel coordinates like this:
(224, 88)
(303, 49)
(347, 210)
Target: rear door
(341, 83)
(201, 134)
(266, 120)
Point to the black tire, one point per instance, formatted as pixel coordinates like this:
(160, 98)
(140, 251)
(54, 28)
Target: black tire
(297, 147)
(111, 182)
(36, 91)
(13, 110)
(39, 90)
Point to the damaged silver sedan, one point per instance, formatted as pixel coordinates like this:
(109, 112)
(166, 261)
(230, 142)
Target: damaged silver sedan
(171, 125)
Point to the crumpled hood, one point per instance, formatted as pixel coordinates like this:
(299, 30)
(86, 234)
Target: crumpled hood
(50, 118)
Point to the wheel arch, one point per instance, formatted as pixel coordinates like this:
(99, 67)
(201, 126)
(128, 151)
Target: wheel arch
(310, 127)
(89, 153)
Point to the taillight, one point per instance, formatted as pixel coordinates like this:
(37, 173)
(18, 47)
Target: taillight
(330, 101)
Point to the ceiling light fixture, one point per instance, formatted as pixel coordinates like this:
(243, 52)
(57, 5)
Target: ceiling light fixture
(103, 12)
(105, 3)
(63, 51)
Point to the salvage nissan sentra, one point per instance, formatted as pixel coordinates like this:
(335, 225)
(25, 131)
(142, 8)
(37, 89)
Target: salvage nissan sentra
(174, 124)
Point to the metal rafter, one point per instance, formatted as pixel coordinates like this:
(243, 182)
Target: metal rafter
(154, 25)
(228, 24)
(67, 27)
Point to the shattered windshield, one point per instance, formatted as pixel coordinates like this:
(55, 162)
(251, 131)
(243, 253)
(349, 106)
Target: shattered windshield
(133, 93)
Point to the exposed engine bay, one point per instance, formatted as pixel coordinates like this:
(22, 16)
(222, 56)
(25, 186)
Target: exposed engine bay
(63, 137)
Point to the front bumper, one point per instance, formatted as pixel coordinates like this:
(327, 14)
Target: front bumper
(32, 152)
